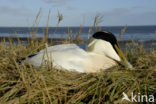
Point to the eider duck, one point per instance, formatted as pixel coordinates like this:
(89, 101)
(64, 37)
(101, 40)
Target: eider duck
(102, 53)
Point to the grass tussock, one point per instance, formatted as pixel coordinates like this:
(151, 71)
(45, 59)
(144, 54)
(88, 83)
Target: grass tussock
(25, 84)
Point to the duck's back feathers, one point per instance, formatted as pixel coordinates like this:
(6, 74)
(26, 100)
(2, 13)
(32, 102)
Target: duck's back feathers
(62, 47)
(67, 56)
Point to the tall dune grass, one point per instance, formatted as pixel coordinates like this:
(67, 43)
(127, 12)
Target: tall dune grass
(25, 84)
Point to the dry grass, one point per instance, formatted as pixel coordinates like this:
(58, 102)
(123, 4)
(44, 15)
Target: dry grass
(25, 84)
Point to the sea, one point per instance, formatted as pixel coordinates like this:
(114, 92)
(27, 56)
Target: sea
(138, 33)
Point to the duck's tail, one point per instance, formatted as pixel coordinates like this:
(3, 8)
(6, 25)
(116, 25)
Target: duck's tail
(23, 60)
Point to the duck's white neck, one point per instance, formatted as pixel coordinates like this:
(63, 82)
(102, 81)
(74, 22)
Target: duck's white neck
(102, 47)
(102, 55)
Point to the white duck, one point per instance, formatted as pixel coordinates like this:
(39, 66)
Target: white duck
(102, 53)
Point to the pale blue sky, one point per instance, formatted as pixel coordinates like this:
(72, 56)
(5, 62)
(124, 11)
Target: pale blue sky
(115, 12)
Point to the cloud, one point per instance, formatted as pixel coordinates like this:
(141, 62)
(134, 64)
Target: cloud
(70, 8)
(16, 16)
(111, 15)
(138, 7)
(8, 0)
(7, 10)
(123, 16)
(129, 16)
(117, 12)
(56, 1)
(13, 1)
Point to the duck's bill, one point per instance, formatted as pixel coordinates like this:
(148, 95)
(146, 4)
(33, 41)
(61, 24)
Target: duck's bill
(123, 58)
(127, 64)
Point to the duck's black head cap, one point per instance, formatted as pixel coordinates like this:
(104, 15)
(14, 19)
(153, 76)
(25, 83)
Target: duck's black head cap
(107, 36)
